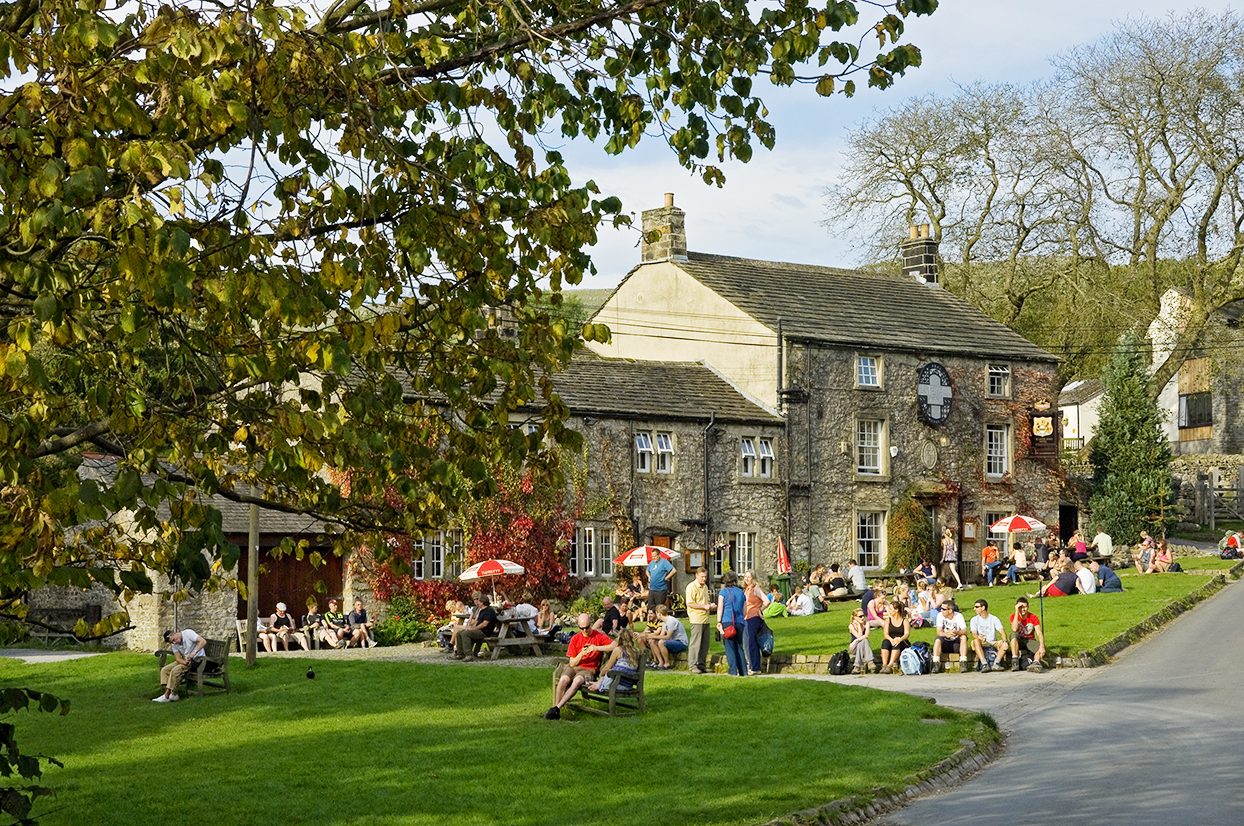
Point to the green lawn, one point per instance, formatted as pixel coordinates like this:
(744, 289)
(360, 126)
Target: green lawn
(1072, 624)
(405, 743)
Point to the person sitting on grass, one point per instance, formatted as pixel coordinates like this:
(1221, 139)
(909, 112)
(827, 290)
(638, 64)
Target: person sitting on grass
(951, 629)
(1143, 558)
(988, 640)
(896, 632)
(670, 638)
(940, 593)
(611, 621)
(1062, 585)
(836, 585)
(815, 593)
(877, 608)
(1108, 581)
(1162, 558)
(1086, 583)
(624, 656)
(584, 650)
(1026, 636)
(336, 629)
(860, 651)
(800, 604)
(926, 571)
(776, 606)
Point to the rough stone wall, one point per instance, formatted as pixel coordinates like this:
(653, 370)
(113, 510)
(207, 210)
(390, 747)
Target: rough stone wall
(644, 505)
(825, 519)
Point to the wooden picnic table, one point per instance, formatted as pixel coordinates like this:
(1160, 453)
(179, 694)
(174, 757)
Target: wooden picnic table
(520, 638)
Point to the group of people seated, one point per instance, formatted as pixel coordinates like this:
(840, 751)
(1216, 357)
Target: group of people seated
(1045, 556)
(333, 628)
(1153, 556)
(585, 650)
(1071, 577)
(985, 635)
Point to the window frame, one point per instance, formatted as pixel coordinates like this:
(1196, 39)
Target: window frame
(1004, 372)
(1183, 414)
(664, 452)
(877, 366)
(1004, 456)
(643, 451)
(766, 460)
(417, 550)
(881, 447)
(879, 553)
(1002, 539)
(747, 457)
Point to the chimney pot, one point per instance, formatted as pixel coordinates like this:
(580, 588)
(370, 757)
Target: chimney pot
(669, 199)
(920, 256)
(913, 232)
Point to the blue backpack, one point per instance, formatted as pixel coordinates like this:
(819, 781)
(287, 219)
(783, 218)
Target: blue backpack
(915, 660)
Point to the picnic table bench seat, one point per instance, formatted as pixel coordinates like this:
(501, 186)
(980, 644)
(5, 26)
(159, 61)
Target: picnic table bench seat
(212, 669)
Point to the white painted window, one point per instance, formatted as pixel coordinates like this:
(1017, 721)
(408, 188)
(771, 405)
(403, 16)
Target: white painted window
(643, 452)
(453, 553)
(745, 551)
(573, 561)
(604, 547)
(766, 459)
(587, 545)
(867, 371)
(1000, 380)
(436, 555)
(868, 444)
(869, 537)
(997, 449)
(999, 538)
(665, 453)
(747, 449)
(416, 557)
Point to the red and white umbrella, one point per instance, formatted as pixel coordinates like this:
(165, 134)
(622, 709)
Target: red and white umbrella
(491, 567)
(1017, 524)
(643, 555)
(783, 560)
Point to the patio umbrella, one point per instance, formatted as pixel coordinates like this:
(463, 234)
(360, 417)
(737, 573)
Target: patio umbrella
(1017, 524)
(644, 554)
(491, 568)
(783, 560)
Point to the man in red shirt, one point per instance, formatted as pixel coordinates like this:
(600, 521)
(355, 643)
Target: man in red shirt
(584, 651)
(1026, 636)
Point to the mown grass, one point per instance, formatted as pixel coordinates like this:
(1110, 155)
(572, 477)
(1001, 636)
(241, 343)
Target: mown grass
(373, 742)
(1072, 624)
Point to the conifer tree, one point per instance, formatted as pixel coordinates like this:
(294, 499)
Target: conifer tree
(1130, 455)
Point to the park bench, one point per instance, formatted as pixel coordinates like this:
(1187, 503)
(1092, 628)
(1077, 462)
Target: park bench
(614, 698)
(59, 623)
(212, 669)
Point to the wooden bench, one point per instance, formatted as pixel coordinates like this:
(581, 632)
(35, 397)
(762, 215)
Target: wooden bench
(212, 669)
(614, 698)
(59, 623)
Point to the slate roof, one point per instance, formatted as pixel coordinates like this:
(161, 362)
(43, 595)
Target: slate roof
(592, 385)
(1078, 392)
(854, 308)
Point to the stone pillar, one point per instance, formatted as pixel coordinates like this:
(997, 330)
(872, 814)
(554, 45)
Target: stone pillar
(667, 231)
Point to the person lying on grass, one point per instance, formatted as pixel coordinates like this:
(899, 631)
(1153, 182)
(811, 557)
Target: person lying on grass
(584, 650)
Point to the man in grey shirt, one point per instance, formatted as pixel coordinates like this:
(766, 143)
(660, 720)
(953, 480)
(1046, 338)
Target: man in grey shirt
(187, 646)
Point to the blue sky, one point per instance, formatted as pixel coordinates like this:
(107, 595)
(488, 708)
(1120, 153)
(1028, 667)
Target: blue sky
(770, 207)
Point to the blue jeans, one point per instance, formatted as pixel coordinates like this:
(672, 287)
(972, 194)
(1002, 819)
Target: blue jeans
(1013, 573)
(990, 570)
(734, 651)
(751, 638)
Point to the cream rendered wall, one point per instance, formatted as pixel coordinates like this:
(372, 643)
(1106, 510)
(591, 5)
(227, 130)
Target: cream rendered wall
(660, 313)
(1163, 332)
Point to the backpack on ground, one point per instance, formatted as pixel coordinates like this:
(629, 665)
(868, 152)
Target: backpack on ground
(913, 661)
(926, 655)
(840, 664)
(1175, 568)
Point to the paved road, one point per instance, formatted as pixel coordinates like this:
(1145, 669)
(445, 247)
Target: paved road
(1155, 738)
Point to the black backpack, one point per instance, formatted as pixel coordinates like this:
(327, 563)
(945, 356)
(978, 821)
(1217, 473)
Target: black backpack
(840, 664)
(926, 656)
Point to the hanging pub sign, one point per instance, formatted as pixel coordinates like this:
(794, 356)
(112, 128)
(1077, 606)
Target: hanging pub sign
(933, 393)
(1044, 431)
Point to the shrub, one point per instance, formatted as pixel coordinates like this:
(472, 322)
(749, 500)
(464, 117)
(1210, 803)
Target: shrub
(910, 535)
(593, 602)
(405, 624)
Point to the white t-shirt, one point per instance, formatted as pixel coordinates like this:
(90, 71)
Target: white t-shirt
(989, 627)
(946, 626)
(189, 640)
(1087, 580)
(674, 628)
(857, 578)
(803, 606)
(1105, 545)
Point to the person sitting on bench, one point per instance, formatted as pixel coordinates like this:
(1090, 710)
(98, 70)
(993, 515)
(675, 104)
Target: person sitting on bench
(483, 626)
(584, 650)
(187, 646)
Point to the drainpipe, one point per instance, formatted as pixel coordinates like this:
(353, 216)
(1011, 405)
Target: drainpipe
(708, 514)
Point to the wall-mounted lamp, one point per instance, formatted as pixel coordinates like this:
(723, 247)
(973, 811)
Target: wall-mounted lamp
(893, 451)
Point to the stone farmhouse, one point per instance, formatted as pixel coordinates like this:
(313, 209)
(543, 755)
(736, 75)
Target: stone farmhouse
(885, 385)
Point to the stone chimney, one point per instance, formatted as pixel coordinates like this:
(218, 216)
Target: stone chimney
(920, 256)
(671, 242)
